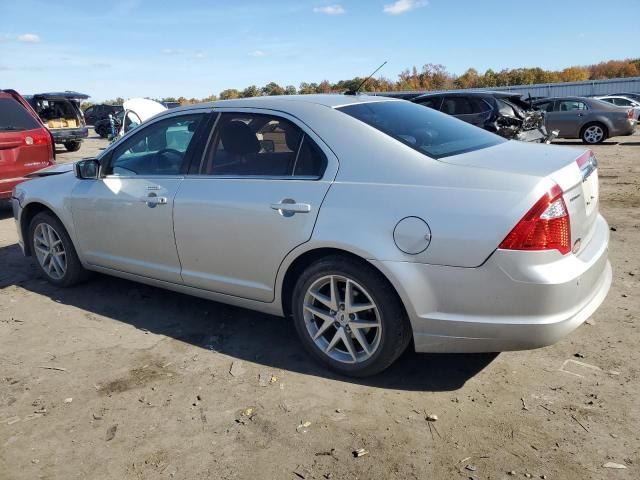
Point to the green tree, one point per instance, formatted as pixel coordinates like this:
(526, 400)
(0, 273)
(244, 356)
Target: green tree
(251, 91)
(290, 90)
(272, 88)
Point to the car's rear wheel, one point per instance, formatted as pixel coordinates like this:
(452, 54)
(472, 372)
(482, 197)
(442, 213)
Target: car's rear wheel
(55, 254)
(349, 317)
(72, 146)
(594, 133)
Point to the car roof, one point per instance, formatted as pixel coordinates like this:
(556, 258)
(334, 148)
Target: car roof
(69, 95)
(477, 93)
(281, 102)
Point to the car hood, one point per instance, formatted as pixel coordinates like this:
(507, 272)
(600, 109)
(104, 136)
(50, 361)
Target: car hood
(52, 170)
(143, 107)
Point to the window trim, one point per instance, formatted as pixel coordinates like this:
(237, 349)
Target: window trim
(106, 159)
(331, 167)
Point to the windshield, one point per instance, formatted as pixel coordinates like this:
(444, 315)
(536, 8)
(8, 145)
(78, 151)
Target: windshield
(431, 133)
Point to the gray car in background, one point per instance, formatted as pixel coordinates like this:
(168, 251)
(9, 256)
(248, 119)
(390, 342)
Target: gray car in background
(370, 221)
(588, 119)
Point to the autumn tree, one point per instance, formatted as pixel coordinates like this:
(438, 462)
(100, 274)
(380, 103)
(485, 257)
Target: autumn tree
(229, 94)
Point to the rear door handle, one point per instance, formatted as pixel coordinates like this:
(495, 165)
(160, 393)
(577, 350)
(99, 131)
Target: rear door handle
(289, 207)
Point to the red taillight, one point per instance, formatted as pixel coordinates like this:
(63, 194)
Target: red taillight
(630, 114)
(545, 227)
(37, 138)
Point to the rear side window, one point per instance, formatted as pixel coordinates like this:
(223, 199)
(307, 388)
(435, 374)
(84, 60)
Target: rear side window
(14, 117)
(423, 129)
(248, 144)
(457, 106)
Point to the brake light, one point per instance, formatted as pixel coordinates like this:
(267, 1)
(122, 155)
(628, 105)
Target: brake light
(39, 138)
(630, 114)
(545, 226)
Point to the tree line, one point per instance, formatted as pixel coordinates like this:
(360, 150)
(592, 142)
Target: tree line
(432, 77)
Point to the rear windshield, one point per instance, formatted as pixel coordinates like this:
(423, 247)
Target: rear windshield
(432, 133)
(14, 117)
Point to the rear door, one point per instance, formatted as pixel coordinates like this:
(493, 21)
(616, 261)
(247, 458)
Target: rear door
(124, 220)
(252, 199)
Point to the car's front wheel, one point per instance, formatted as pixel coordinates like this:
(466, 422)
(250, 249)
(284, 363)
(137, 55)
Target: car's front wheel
(72, 146)
(349, 317)
(55, 254)
(594, 133)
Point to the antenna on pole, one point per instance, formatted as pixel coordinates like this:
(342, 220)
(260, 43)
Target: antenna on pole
(356, 90)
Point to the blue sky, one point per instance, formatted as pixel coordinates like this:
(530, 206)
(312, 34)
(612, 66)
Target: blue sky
(196, 48)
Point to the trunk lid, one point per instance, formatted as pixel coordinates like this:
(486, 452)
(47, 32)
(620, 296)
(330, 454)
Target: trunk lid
(574, 170)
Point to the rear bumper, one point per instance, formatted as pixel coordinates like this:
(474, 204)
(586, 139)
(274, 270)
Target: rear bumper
(7, 185)
(62, 135)
(514, 301)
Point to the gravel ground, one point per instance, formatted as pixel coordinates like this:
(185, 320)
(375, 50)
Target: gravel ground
(115, 380)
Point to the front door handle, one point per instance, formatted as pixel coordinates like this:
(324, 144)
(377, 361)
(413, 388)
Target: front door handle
(152, 200)
(289, 207)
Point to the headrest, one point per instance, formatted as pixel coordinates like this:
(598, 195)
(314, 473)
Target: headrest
(238, 138)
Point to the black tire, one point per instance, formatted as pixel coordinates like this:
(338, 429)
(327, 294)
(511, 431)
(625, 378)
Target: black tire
(396, 329)
(75, 272)
(102, 131)
(590, 139)
(72, 146)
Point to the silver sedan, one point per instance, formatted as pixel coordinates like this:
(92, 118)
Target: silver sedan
(374, 223)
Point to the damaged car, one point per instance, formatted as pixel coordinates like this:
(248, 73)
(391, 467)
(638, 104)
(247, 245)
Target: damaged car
(499, 112)
(61, 114)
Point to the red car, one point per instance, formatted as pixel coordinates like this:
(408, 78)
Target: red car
(25, 144)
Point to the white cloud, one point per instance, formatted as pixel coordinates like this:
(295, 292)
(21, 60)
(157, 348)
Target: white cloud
(402, 6)
(336, 9)
(168, 51)
(258, 53)
(201, 54)
(28, 38)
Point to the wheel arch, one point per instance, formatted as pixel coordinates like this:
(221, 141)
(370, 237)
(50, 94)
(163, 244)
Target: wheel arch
(28, 212)
(300, 262)
(603, 121)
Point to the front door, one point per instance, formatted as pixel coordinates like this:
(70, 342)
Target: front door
(254, 198)
(124, 220)
(568, 116)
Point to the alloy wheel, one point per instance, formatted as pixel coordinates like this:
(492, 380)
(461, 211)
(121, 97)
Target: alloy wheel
(342, 319)
(593, 134)
(49, 251)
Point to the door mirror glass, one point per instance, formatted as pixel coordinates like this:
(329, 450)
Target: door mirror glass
(87, 169)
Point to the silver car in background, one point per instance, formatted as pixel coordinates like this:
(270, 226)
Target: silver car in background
(589, 119)
(370, 221)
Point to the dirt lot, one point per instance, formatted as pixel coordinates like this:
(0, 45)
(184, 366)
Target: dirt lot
(115, 380)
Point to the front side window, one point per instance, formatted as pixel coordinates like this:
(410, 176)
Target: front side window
(544, 106)
(423, 129)
(571, 105)
(248, 144)
(157, 149)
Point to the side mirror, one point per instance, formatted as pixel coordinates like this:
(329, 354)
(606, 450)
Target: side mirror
(87, 169)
